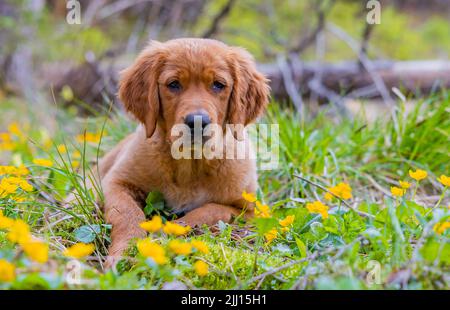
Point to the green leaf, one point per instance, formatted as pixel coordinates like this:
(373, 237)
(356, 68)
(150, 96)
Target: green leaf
(436, 250)
(301, 247)
(87, 233)
(318, 230)
(154, 203)
(263, 225)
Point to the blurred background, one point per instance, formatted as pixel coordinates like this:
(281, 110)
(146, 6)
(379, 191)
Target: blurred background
(314, 51)
(360, 91)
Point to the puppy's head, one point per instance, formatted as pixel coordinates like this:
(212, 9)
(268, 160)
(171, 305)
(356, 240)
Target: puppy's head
(185, 79)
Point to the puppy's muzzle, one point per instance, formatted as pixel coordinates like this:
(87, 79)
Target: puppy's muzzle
(197, 120)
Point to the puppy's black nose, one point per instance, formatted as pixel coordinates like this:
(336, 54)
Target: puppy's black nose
(199, 118)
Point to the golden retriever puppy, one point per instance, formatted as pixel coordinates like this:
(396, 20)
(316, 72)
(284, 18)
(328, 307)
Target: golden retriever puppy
(175, 83)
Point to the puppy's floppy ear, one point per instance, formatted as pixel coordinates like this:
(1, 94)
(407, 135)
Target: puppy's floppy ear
(250, 93)
(138, 86)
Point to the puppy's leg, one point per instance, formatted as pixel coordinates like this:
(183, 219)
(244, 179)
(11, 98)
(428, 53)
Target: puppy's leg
(125, 214)
(211, 213)
(97, 173)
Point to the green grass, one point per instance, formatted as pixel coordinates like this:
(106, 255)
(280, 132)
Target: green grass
(394, 236)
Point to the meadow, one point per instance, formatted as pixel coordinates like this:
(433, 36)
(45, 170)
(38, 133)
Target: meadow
(353, 205)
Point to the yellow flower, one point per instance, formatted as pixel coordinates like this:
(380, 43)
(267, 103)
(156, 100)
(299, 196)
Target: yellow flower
(397, 191)
(19, 182)
(201, 268)
(404, 184)
(7, 188)
(43, 162)
(284, 229)
(287, 221)
(152, 250)
(11, 170)
(6, 169)
(154, 225)
(262, 210)
(76, 154)
(175, 229)
(36, 250)
(179, 247)
(19, 232)
(250, 197)
(21, 171)
(26, 186)
(5, 222)
(5, 137)
(18, 198)
(418, 174)
(14, 129)
(61, 148)
(6, 142)
(318, 207)
(200, 246)
(79, 250)
(445, 180)
(89, 137)
(6, 146)
(328, 196)
(7, 271)
(271, 235)
(342, 190)
(75, 164)
(440, 228)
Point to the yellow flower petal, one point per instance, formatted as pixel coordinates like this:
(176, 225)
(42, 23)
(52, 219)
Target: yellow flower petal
(14, 129)
(36, 250)
(262, 211)
(179, 247)
(200, 246)
(404, 184)
(79, 250)
(318, 207)
(62, 149)
(5, 222)
(154, 225)
(341, 190)
(418, 174)
(89, 137)
(7, 271)
(397, 191)
(250, 197)
(445, 180)
(271, 235)
(11, 170)
(19, 232)
(152, 250)
(440, 228)
(287, 221)
(201, 268)
(328, 196)
(175, 229)
(43, 162)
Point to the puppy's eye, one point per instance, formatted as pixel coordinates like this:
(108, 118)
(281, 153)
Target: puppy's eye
(174, 86)
(217, 86)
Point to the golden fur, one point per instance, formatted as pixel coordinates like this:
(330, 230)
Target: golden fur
(206, 190)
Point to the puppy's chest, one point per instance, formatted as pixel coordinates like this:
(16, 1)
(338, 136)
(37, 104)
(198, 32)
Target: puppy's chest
(186, 199)
(191, 194)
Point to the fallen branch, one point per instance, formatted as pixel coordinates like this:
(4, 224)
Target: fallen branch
(338, 81)
(345, 78)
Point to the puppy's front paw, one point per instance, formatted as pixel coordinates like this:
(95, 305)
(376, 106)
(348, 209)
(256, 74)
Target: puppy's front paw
(183, 221)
